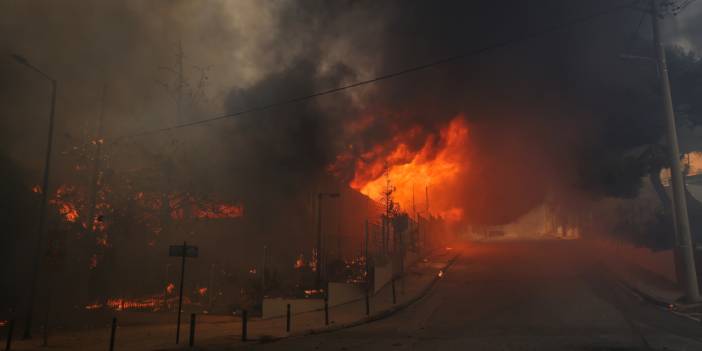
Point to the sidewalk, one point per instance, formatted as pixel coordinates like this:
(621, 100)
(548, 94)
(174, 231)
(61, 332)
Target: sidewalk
(655, 289)
(213, 332)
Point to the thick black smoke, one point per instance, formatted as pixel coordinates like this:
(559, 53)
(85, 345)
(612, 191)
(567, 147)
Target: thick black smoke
(558, 116)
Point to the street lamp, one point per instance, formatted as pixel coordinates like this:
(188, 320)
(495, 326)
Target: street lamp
(44, 194)
(319, 234)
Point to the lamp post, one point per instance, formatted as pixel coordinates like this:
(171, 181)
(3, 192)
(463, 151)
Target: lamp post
(44, 195)
(319, 234)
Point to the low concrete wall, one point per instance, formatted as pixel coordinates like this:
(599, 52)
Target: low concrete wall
(275, 307)
(340, 293)
(383, 275)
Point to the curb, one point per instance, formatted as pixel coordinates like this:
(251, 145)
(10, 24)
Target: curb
(375, 317)
(670, 306)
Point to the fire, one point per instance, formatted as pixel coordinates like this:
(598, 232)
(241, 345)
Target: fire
(66, 208)
(93, 306)
(169, 288)
(119, 304)
(300, 262)
(36, 189)
(218, 211)
(437, 164)
(202, 291)
(313, 292)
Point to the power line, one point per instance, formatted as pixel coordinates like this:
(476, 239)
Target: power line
(438, 62)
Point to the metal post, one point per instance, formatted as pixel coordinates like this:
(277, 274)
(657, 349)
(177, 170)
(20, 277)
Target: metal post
(365, 249)
(681, 221)
(326, 310)
(112, 333)
(180, 293)
(42, 212)
(394, 296)
(287, 319)
(10, 330)
(319, 241)
(263, 272)
(191, 342)
(244, 324)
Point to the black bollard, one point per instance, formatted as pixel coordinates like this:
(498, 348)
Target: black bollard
(10, 329)
(192, 330)
(394, 296)
(112, 333)
(287, 321)
(326, 310)
(244, 326)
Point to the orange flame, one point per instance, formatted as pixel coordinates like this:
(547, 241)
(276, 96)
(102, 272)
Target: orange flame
(218, 211)
(300, 262)
(438, 164)
(169, 288)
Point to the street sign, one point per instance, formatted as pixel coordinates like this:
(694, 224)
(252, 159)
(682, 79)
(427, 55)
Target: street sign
(181, 251)
(177, 251)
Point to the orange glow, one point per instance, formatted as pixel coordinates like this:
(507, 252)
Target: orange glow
(218, 211)
(437, 164)
(119, 304)
(36, 189)
(169, 288)
(300, 262)
(66, 208)
(202, 291)
(93, 306)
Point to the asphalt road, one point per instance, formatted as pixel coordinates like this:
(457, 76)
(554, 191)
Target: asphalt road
(546, 295)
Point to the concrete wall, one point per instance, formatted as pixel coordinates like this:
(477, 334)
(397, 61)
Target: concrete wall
(275, 307)
(340, 293)
(383, 275)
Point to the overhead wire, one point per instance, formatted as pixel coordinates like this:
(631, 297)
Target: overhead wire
(442, 61)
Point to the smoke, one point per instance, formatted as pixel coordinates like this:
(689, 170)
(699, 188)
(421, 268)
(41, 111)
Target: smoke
(557, 117)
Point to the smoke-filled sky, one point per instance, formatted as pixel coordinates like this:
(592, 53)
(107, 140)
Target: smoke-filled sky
(559, 115)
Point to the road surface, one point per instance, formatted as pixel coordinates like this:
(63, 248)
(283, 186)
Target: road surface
(542, 295)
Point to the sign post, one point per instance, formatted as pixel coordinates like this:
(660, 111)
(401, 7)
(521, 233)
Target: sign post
(182, 251)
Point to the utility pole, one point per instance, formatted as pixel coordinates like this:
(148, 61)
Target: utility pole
(319, 241)
(179, 97)
(388, 209)
(320, 196)
(44, 197)
(414, 208)
(680, 216)
(263, 271)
